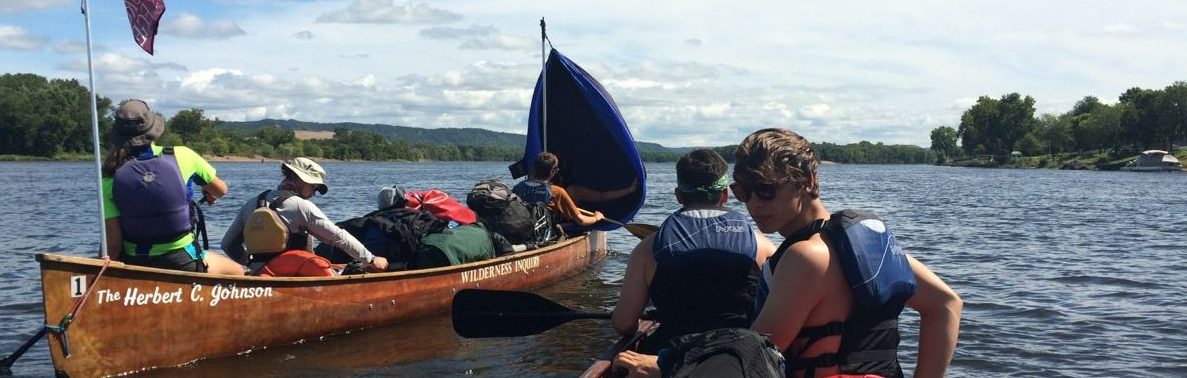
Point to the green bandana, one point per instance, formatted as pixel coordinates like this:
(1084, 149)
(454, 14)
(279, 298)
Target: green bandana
(714, 188)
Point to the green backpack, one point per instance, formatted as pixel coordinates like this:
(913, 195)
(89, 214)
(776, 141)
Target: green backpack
(453, 246)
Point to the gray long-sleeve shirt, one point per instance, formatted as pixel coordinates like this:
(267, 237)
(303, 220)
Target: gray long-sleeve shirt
(295, 213)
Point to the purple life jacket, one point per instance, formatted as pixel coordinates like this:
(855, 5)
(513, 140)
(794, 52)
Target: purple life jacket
(152, 199)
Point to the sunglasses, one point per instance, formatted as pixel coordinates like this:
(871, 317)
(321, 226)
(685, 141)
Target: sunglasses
(765, 191)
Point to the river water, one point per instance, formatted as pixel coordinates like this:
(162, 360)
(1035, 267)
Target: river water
(1063, 273)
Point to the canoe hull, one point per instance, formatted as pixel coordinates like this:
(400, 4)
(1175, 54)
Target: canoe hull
(139, 318)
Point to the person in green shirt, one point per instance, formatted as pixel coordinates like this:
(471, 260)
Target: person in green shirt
(146, 196)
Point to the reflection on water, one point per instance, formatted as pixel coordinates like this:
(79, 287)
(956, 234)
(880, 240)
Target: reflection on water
(1057, 268)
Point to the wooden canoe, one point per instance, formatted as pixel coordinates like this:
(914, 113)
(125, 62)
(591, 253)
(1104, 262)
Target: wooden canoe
(601, 366)
(139, 318)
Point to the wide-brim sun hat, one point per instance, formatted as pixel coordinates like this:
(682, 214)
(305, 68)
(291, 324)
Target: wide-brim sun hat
(308, 172)
(136, 124)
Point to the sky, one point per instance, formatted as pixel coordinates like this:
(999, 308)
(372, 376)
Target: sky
(683, 73)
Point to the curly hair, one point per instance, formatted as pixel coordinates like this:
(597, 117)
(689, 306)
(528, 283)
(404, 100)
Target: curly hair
(772, 154)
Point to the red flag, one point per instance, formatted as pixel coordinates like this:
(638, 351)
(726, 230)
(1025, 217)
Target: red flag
(145, 15)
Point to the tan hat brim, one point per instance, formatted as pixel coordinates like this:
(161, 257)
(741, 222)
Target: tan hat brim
(307, 178)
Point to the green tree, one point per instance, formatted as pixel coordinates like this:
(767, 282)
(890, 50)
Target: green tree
(1172, 113)
(43, 117)
(995, 126)
(274, 135)
(190, 125)
(1055, 132)
(1139, 118)
(943, 142)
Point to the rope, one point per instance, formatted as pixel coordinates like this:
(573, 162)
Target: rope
(70, 317)
(82, 301)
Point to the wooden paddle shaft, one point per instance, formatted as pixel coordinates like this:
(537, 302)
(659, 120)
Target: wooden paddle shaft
(590, 214)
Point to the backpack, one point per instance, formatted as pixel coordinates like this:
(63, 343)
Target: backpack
(722, 352)
(543, 227)
(297, 263)
(502, 212)
(265, 232)
(489, 195)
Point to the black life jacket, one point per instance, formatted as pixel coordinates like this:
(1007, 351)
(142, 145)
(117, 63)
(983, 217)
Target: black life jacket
(705, 273)
(881, 280)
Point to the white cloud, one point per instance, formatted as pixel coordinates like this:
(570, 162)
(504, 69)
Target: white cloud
(814, 111)
(188, 25)
(1120, 28)
(14, 6)
(72, 47)
(16, 38)
(499, 43)
(477, 37)
(1174, 25)
(449, 32)
(387, 12)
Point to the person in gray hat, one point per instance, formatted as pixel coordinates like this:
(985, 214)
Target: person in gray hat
(303, 178)
(147, 191)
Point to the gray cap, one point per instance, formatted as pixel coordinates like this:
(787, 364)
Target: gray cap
(136, 124)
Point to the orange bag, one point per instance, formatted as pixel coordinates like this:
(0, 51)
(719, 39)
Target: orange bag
(297, 263)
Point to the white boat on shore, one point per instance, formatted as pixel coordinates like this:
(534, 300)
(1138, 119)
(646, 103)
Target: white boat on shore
(1154, 161)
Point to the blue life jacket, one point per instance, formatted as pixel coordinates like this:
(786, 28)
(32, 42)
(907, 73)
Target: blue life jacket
(531, 190)
(153, 200)
(705, 274)
(881, 281)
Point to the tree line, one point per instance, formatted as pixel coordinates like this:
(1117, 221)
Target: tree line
(51, 117)
(1141, 119)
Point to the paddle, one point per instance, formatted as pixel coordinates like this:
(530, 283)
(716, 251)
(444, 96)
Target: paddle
(6, 364)
(494, 313)
(640, 230)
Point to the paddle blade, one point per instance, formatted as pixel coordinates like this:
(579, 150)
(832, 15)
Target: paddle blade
(641, 230)
(495, 313)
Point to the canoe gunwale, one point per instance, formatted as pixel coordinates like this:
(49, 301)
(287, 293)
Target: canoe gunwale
(601, 366)
(120, 268)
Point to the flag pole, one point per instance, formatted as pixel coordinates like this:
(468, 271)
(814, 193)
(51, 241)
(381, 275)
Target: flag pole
(95, 134)
(544, 89)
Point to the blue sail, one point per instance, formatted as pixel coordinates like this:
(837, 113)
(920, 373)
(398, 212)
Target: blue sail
(599, 164)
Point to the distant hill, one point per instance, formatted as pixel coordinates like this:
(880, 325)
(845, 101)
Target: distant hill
(415, 135)
(455, 136)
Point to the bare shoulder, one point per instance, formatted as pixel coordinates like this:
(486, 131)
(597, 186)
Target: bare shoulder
(809, 256)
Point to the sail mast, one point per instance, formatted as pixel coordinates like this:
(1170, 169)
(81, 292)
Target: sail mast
(95, 134)
(544, 89)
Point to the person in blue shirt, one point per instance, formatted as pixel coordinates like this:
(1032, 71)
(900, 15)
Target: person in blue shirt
(700, 269)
